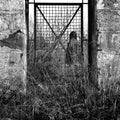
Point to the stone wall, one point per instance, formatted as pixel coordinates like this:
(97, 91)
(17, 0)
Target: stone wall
(108, 20)
(12, 58)
(109, 40)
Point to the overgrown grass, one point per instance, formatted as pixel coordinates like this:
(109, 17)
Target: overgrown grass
(59, 100)
(51, 95)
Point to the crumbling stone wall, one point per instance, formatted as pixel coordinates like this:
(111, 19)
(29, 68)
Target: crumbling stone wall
(109, 37)
(12, 59)
(108, 24)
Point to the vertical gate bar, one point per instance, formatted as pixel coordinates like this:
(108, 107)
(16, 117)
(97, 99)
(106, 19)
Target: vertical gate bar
(92, 44)
(27, 27)
(34, 33)
(82, 55)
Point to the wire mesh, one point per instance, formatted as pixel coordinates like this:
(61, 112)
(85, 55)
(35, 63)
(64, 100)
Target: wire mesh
(58, 17)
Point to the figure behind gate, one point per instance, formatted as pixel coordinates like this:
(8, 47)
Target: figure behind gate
(72, 52)
(72, 49)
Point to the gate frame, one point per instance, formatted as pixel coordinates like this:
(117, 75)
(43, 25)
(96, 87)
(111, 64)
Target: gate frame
(59, 37)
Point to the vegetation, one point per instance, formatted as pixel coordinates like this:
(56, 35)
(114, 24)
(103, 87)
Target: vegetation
(53, 95)
(60, 100)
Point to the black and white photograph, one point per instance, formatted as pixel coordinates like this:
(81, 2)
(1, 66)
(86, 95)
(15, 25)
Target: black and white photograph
(59, 60)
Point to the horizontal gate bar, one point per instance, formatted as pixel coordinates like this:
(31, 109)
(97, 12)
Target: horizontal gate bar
(59, 3)
(38, 3)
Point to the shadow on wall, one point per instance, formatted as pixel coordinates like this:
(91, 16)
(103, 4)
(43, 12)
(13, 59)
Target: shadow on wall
(14, 41)
(13, 60)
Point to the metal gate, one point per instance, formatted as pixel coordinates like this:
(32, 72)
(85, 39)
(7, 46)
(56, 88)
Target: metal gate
(53, 24)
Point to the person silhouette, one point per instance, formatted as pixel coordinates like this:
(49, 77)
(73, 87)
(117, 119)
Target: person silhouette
(72, 51)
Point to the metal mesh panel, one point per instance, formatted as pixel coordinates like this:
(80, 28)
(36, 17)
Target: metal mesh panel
(58, 17)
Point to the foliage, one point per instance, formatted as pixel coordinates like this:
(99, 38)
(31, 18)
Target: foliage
(51, 95)
(55, 97)
(62, 101)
